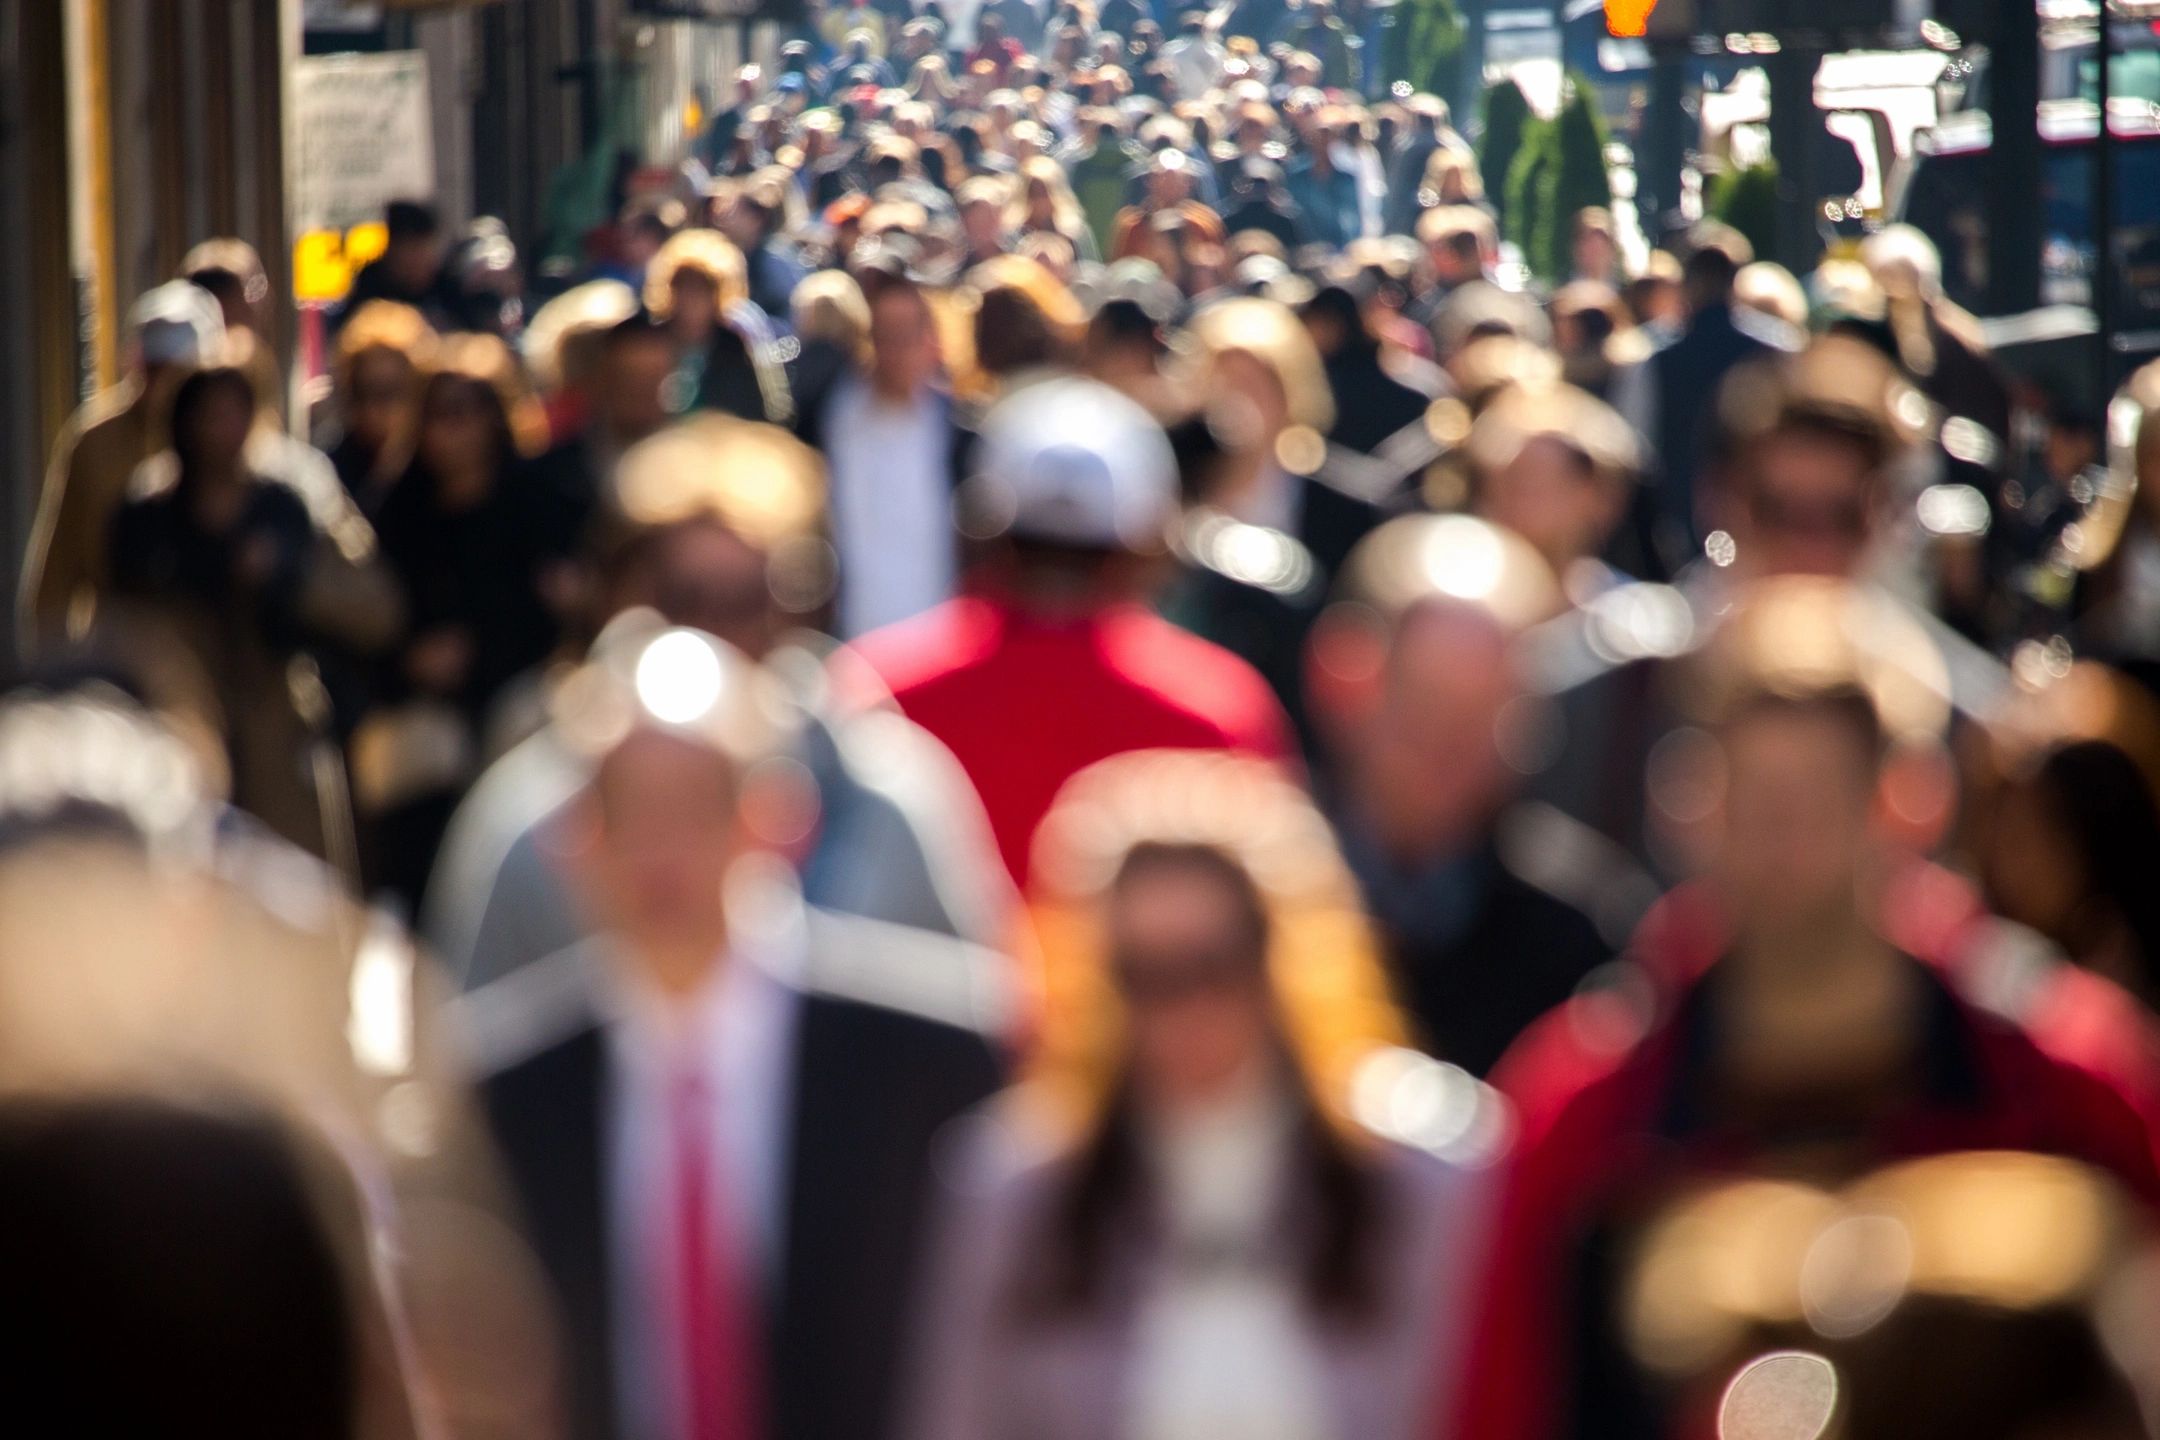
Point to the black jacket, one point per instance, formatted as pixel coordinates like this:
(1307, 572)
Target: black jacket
(892, 1041)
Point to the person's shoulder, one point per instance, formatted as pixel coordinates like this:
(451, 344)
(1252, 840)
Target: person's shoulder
(1766, 331)
(1430, 1125)
(1192, 676)
(1572, 1076)
(943, 642)
(907, 977)
(509, 1025)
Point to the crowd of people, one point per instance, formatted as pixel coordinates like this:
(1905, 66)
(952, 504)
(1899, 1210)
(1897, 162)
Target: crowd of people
(1056, 760)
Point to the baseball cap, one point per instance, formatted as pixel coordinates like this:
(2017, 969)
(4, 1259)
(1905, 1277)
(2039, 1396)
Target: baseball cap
(1074, 462)
(176, 323)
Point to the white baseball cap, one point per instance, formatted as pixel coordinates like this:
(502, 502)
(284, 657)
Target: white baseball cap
(176, 323)
(1074, 462)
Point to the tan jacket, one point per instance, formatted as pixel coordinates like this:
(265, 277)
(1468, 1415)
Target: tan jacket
(64, 566)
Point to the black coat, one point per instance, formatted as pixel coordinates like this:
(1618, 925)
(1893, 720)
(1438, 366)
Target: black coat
(872, 1086)
(1479, 955)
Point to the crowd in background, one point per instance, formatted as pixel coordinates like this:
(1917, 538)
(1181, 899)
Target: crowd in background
(1056, 760)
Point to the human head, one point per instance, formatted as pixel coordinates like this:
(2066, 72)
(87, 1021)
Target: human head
(414, 252)
(230, 271)
(1810, 688)
(691, 283)
(172, 327)
(383, 353)
(1200, 930)
(1455, 238)
(903, 340)
(1802, 454)
(2072, 842)
(224, 1282)
(1413, 678)
(828, 306)
(1261, 372)
(1555, 466)
(1716, 255)
(1595, 247)
(682, 732)
(213, 412)
(630, 389)
(718, 525)
(475, 417)
(645, 224)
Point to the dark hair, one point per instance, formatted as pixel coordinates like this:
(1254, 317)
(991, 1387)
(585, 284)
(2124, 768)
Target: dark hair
(194, 394)
(1337, 1196)
(634, 329)
(411, 220)
(177, 1277)
(498, 415)
(2105, 805)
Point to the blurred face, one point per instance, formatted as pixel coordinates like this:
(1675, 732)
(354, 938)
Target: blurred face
(744, 223)
(1595, 254)
(1248, 386)
(904, 341)
(693, 307)
(980, 219)
(415, 260)
(457, 430)
(219, 429)
(664, 831)
(1809, 506)
(632, 386)
(1168, 187)
(1189, 967)
(1796, 832)
(378, 404)
(1427, 762)
(702, 575)
(1552, 497)
(1038, 203)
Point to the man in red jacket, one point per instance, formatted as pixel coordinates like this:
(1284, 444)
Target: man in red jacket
(1783, 1024)
(1054, 663)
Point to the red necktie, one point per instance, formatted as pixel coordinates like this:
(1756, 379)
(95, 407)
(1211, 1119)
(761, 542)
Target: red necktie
(712, 1326)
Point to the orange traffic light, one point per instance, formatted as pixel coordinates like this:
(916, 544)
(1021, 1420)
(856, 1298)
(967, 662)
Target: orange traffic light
(1628, 17)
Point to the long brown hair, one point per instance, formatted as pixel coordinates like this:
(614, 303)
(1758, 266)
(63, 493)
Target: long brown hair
(1241, 821)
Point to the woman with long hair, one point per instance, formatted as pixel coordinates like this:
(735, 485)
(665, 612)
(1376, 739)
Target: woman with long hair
(1187, 1223)
(1045, 203)
(222, 571)
(698, 285)
(383, 354)
(457, 531)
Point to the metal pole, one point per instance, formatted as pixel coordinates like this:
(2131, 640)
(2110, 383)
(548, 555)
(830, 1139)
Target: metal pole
(2103, 226)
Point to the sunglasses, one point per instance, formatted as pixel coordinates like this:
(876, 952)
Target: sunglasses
(1152, 980)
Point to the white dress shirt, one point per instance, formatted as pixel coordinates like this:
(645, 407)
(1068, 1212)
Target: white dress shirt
(891, 468)
(741, 1030)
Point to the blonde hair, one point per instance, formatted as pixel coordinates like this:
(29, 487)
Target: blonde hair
(1323, 965)
(829, 306)
(700, 252)
(1271, 334)
(757, 480)
(1065, 212)
(486, 360)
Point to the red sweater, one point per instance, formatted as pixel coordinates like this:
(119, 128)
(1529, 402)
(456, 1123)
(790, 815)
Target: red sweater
(1026, 704)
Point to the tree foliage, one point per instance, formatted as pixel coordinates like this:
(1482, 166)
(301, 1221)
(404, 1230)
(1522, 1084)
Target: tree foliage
(1504, 119)
(1557, 170)
(1422, 47)
(1746, 199)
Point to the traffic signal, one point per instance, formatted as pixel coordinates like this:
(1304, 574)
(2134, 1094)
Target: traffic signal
(1628, 18)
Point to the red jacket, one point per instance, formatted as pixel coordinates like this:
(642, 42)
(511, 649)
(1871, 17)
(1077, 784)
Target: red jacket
(1596, 1095)
(1026, 704)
